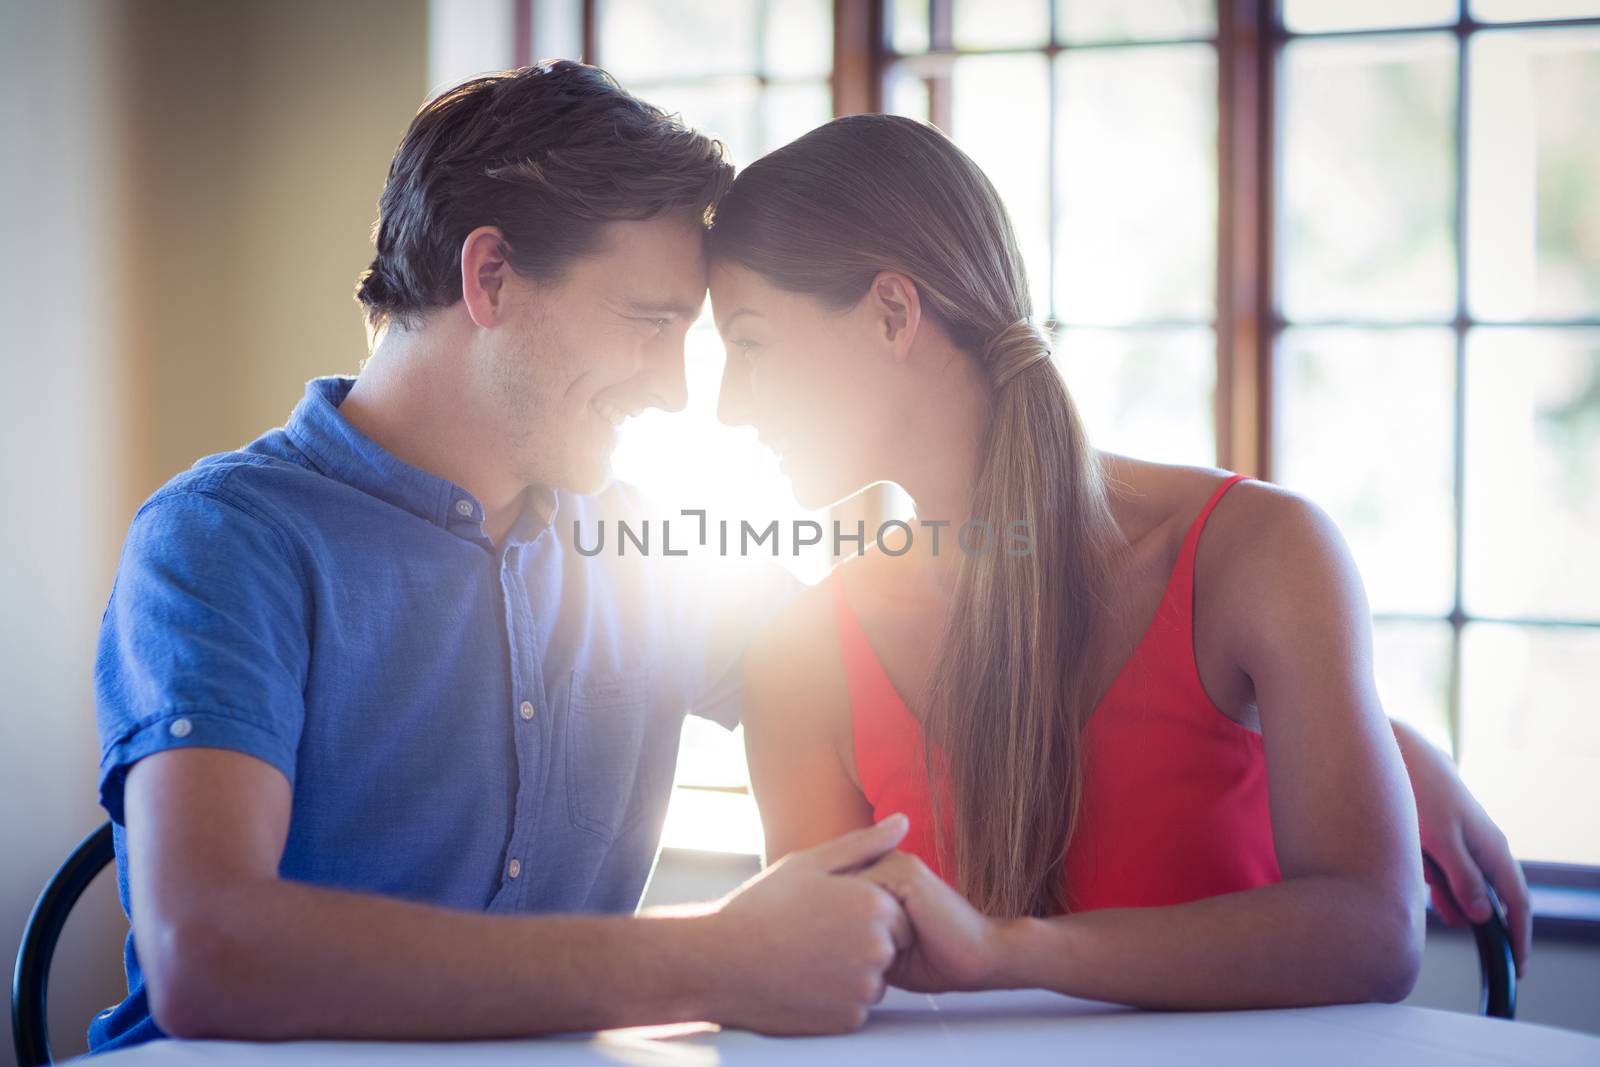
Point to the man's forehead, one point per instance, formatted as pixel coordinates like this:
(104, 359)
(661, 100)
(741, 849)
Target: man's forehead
(655, 261)
(665, 237)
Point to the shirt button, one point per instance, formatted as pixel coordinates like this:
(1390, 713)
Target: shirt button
(180, 727)
(464, 507)
(514, 868)
(526, 710)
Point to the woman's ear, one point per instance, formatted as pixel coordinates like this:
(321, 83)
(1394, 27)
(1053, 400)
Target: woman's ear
(484, 272)
(896, 312)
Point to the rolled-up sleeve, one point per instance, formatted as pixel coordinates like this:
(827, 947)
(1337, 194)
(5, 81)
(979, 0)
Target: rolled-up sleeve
(205, 641)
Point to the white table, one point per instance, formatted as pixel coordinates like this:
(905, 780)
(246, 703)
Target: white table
(992, 1029)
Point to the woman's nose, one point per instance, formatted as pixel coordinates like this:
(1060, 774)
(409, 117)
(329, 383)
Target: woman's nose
(735, 405)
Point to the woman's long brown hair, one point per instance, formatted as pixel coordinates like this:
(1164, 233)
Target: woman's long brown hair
(1011, 688)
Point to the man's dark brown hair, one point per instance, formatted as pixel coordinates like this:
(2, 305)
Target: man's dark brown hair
(548, 154)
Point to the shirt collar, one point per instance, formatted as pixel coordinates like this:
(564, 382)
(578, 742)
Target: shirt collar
(344, 453)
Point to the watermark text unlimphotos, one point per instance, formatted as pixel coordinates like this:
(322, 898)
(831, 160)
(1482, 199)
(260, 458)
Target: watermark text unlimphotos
(893, 537)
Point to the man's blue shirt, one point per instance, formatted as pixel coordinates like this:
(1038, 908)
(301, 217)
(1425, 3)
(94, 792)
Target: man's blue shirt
(480, 727)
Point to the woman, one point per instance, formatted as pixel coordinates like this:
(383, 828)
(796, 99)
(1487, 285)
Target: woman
(1165, 703)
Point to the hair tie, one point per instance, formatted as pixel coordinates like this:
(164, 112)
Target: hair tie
(1013, 350)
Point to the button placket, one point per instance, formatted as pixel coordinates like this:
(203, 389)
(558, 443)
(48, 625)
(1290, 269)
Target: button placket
(527, 685)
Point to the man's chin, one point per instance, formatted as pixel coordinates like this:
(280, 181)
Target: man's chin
(591, 479)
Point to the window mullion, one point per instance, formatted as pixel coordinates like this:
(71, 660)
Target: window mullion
(1458, 421)
(1245, 63)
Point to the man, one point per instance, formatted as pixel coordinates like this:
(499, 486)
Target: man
(376, 738)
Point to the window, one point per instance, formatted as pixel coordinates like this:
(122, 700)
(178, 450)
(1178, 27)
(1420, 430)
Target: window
(1437, 371)
(1349, 245)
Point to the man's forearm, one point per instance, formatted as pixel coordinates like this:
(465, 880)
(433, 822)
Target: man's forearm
(277, 959)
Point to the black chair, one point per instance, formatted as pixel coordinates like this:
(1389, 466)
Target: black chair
(1498, 996)
(1498, 999)
(31, 981)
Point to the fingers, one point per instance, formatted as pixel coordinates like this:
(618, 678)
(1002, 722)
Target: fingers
(887, 874)
(1463, 875)
(1443, 903)
(900, 929)
(1489, 846)
(1444, 906)
(858, 847)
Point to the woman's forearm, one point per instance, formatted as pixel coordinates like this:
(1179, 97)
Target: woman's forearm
(1309, 940)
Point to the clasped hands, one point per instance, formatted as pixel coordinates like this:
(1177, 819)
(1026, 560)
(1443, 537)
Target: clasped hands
(811, 943)
(943, 943)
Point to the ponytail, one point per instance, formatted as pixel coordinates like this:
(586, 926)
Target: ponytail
(1010, 692)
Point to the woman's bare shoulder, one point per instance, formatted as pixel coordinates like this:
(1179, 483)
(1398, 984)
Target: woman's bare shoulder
(1259, 523)
(1268, 558)
(1257, 529)
(1157, 498)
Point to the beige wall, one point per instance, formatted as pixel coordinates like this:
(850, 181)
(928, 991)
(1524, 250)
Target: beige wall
(185, 201)
(268, 131)
(63, 426)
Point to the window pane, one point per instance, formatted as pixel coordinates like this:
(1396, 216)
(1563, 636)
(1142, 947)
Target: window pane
(1530, 736)
(1002, 23)
(1095, 21)
(643, 40)
(1314, 16)
(1144, 393)
(908, 26)
(787, 111)
(1533, 473)
(1137, 179)
(712, 822)
(1368, 225)
(908, 93)
(709, 756)
(1412, 664)
(1534, 179)
(725, 108)
(1364, 428)
(1000, 115)
(799, 38)
(1519, 10)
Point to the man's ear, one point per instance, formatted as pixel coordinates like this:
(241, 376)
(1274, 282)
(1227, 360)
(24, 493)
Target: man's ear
(484, 272)
(896, 309)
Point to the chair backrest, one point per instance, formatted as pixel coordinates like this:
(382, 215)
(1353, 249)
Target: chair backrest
(1499, 996)
(30, 983)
